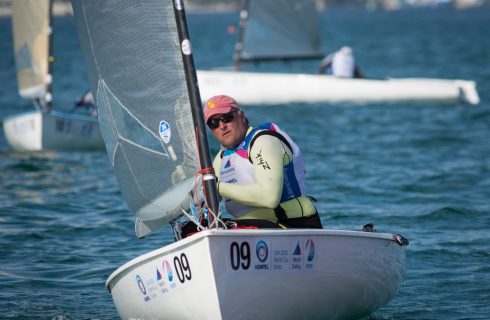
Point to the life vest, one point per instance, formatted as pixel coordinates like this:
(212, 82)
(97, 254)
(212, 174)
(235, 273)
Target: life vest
(237, 167)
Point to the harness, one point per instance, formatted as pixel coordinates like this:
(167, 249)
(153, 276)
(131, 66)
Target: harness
(243, 151)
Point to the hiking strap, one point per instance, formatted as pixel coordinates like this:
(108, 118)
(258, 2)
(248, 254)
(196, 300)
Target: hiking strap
(280, 214)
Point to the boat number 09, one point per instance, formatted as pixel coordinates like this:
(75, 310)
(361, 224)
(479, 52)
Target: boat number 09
(182, 268)
(240, 255)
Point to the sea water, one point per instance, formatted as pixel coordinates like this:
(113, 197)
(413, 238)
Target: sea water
(419, 169)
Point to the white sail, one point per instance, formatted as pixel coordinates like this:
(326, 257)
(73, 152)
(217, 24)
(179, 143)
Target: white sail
(279, 29)
(144, 109)
(30, 25)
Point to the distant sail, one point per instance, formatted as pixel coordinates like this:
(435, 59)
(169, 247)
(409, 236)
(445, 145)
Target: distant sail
(140, 89)
(30, 25)
(279, 29)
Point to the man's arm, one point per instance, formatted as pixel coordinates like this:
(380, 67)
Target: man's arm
(325, 63)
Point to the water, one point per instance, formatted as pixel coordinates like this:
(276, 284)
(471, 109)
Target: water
(422, 170)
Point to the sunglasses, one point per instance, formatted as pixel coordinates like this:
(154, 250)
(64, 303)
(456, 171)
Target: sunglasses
(213, 123)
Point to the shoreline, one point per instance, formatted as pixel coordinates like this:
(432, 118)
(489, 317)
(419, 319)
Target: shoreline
(65, 9)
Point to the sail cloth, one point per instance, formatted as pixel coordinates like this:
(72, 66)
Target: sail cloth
(281, 29)
(135, 68)
(30, 26)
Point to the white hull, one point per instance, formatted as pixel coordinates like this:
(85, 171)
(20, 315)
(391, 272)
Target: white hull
(262, 274)
(34, 131)
(277, 88)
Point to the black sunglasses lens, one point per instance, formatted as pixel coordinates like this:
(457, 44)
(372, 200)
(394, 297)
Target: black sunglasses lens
(213, 123)
(226, 118)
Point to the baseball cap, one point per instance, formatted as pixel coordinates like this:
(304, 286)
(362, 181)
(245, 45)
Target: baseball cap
(219, 105)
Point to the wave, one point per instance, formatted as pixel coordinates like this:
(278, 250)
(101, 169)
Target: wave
(450, 213)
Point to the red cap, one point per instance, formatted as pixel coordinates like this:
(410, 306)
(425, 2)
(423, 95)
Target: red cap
(219, 105)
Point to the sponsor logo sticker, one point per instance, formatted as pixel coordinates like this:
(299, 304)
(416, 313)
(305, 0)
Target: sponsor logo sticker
(262, 251)
(142, 288)
(228, 164)
(164, 131)
(310, 249)
(168, 270)
(297, 258)
(310, 254)
(186, 47)
(141, 285)
(159, 275)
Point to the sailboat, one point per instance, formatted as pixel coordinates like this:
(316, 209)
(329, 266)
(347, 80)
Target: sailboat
(152, 124)
(289, 29)
(43, 128)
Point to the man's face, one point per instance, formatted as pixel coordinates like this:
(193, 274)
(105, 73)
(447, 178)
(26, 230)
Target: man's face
(231, 128)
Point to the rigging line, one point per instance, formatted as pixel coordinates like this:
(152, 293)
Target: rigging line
(197, 202)
(118, 136)
(106, 92)
(211, 214)
(90, 40)
(129, 112)
(105, 99)
(191, 218)
(195, 195)
(142, 147)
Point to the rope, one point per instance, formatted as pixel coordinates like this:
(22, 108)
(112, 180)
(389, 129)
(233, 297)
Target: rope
(208, 170)
(214, 219)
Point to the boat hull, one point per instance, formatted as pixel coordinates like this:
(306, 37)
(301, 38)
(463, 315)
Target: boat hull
(266, 274)
(277, 88)
(36, 130)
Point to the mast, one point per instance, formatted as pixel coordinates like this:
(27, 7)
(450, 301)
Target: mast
(241, 33)
(206, 165)
(48, 97)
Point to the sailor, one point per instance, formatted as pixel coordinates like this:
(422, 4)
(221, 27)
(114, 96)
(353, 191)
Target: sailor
(260, 169)
(340, 64)
(87, 102)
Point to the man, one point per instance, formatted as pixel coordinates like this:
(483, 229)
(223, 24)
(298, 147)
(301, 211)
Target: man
(260, 170)
(341, 64)
(87, 101)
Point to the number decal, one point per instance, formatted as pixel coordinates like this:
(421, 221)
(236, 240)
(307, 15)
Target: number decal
(86, 129)
(235, 260)
(240, 255)
(186, 267)
(182, 268)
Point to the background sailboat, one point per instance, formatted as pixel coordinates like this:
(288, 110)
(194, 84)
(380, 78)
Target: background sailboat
(278, 30)
(286, 29)
(152, 123)
(43, 128)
